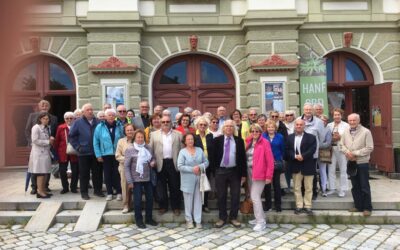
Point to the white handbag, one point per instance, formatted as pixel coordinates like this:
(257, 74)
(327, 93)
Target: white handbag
(204, 183)
(70, 149)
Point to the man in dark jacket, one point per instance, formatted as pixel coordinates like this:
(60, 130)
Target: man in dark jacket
(81, 138)
(300, 148)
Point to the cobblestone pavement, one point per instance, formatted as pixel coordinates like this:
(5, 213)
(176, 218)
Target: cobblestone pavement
(175, 236)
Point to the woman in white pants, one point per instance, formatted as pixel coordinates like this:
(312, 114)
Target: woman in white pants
(337, 128)
(325, 144)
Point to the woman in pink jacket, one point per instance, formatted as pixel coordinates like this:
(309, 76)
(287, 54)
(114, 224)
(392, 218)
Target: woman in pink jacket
(260, 161)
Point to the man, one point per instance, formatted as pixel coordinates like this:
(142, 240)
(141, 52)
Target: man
(158, 109)
(188, 110)
(81, 138)
(106, 106)
(166, 112)
(314, 126)
(166, 144)
(252, 115)
(318, 110)
(43, 106)
(300, 148)
(221, 114)
(142, 121)
(121, 115)
(230, 166)
(357, 144)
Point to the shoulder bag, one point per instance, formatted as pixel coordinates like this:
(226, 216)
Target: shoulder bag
(70, 149)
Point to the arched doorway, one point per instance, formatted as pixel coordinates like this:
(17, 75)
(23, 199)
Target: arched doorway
(36, 78)
(199, 81)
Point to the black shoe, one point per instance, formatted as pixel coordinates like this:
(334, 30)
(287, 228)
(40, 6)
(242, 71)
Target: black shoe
(278, 210)
(42, 197)
(206, 210)
(74, 191)
(99, 194)
(283, 193)
(314, 197)
(140, 225)
(48, 190)
(85, 197)
(308, 211)
(298, 211)
(64, 191)
(151, 222)
(33, 191)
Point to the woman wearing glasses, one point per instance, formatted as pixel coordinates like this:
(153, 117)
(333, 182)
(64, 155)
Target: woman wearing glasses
(184, 125)
(260, 163)
(242, 127)
(213, 128)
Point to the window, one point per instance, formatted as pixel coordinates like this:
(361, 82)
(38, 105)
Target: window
(212, 73)
(354, 72)
(59, 78)
(175, 74)
(26, 78)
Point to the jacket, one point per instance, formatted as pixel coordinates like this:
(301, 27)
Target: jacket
(60, 144)
(131, 175)
(277, 145)
(182, 130)
(156, 144)
(138, 122)
(315, 127)
(102, 142)
(209, 143)
(39, 159)
(359, 144)
(307, 147)
(122, 146)
(32, 121)
(263, 159)
(81, 136)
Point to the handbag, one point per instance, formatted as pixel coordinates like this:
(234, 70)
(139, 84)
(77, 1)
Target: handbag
(246, 207)
(325, 155)
(153, 177)
(204, 183)
(70, 149)
(352, 168)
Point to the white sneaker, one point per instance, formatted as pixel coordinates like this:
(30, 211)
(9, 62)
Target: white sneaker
(189, 225)
(253, 222)
(260, 227)
(324, 194)
(342, 194)
(109, 197)
(125, 210)
(119, 197)
(199, 226)
(330, 192)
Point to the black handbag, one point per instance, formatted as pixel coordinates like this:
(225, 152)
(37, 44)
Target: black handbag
(352, 168)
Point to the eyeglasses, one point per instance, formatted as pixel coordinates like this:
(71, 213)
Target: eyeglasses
(289, 115)
(274, 116)
(69, 118)
(185, 120)
(203, 125)
(165, 122)
(144, 107)
(255, 131)
(121, 111)
(252, 114)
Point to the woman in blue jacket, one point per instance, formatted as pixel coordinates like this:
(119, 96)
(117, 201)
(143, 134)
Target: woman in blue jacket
(105, 140)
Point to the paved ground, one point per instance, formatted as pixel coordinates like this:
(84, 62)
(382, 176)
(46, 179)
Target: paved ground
(175, 236)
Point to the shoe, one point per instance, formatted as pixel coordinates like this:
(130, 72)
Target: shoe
(206, 210)
(298, 211)
(308, 211)
(354, 210)
(39, 196)
(324, 194)
(99, 194)
(177, 212)
(189, 225)
(109, 197)
(314, 197)
(151, 222)
(74, 191)
(235, 223)
(140, 225)
(260, 227)
(341, 194)
(199, 226)
(219, 224)
(283, 193)
(33, 191)
(278, 210)
(119, 197)
(64, 191)
(162, 211)
(253, 222)
(367, 213)
(330, 192)
(125, 210)
(85, 196)
(48, 190)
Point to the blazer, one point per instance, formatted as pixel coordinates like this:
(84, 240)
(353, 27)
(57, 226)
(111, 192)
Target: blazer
(209, 143)
(156, 144)
(218, 152)
(32, 120)
(138, 122)
(60, 144)
(307, 147)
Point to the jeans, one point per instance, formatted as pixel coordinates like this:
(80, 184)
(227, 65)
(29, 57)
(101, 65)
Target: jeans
(224, 178)
(137, 197)
(64, 177)
(111, 174)
(361, 190)
(87, 164)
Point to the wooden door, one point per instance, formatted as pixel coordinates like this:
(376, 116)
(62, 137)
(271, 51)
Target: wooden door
(381, 126)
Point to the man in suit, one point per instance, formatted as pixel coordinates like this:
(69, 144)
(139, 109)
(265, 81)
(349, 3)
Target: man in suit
(142, 121)
(229, 163)
(43, 106)
(166, 144)
(300, 148)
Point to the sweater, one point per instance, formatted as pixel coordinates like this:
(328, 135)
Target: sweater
(359, 144)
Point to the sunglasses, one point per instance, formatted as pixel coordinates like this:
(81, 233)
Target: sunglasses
(121, 111)
(165, 122)
(274, 116)
(255, 131)
(252, 114)
(289, 115)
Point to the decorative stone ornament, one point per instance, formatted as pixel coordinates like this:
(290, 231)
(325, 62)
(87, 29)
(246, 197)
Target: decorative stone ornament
(347, 37)
(275, 63)
(193, 40)
(35, 44)
(113, 65)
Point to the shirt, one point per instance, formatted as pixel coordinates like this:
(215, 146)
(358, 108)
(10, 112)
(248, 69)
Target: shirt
(232, 153)
(297, 143)
(167, 144)
(204, 142)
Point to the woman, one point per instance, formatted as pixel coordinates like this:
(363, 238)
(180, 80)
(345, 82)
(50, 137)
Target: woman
(325, 144)
(245, 117)
(60, 144)
(137, 166)
(184, 125)
(242, 127)
(204, 140)
(290, 116)
(101, 116)
(155, 124)
(122, 145)
(191, 161)
(77, 113)
(260, 163)
(213, 128)
(39, 159)
(337, 128)
(278, 148)
(105, 139)
(130, 114)
(261, 120)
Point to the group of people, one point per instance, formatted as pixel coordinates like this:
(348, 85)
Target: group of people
(165, 160)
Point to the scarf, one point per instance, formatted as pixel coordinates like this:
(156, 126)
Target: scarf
(144, 157)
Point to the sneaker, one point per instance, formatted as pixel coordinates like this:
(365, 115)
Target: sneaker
(125, 210)
(260, 227)
(253, 222)
(341, 194)
(199, 226)
(109, 197)
(330, 192)
(189, 225)
(324, 194)
(119, 197)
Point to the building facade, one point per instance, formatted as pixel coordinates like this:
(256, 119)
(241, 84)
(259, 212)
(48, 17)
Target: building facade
(207, 53)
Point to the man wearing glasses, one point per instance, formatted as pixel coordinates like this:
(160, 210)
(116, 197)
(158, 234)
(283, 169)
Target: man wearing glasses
(166, 144)
(142, 121)
(252, 115)
(121, 115)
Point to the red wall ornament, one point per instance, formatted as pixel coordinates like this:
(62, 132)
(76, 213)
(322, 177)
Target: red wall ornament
(275, 63)
(113, 65)
(193, 40)
(347, 37)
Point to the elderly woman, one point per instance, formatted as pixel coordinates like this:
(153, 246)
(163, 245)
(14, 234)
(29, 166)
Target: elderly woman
(77, 113)
(290, 116)
(242, 127)
(155, 124)
(191, 161)
(184, 125)
(101, 115)
(137, 166)
(261, 120)
(60, 144)
(105, 139)
(122, 145)
(39, 159)
(325, 144)
(213, 127)
(260, 163)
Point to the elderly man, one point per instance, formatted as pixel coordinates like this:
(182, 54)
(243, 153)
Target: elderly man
(221, 114)
(229, 163)
(158, 109)
(106, 106)
(122, 115)
(357, 145)
(142, 121)
(252, 115)
(318, 110)
(300, 149)
(166, 144)
(81, 138)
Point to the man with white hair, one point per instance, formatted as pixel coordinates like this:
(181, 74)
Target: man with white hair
(81, 138)
(318, 110)
(142, 121)
(188, 110)
(158, 109)
(221, 114)
(357, 144)
(166, 112)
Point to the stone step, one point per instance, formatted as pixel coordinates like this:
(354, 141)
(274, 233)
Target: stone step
(68, 216)
(44, 216)
(19, 206)
(15, 217)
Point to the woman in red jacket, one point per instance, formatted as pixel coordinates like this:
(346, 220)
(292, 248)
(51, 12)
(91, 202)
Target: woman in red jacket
(60, 145)
(184, 125)
(260, 162)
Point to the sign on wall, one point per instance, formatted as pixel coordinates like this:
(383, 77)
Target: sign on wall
(313, 83)
(273, 94)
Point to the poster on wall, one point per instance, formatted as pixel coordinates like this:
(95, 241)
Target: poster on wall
(273, 94)
(115, 95)
(313, 82)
